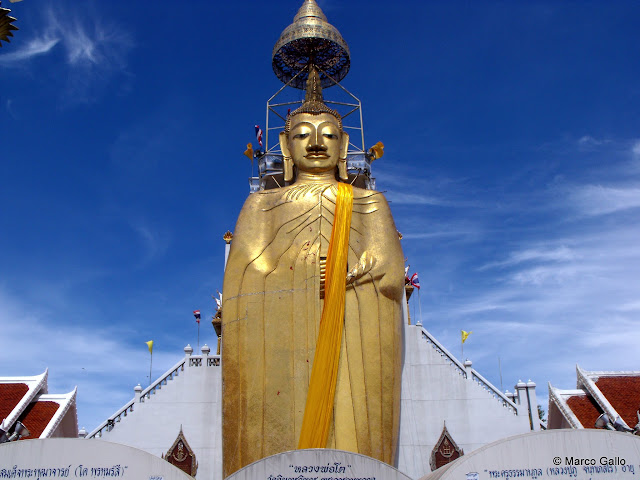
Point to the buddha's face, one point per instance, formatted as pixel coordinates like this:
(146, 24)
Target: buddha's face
(315, 142)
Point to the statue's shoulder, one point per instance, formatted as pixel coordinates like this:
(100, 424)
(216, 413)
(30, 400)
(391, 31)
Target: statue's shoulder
(295, 193)
(263, 198)
(364, 193)
(361, 195)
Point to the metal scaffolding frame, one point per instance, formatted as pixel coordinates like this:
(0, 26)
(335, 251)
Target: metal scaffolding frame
(270, 166)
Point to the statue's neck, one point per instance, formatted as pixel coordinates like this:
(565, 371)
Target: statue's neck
(324, 177)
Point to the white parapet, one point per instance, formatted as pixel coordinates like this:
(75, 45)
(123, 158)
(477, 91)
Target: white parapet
(189, 396)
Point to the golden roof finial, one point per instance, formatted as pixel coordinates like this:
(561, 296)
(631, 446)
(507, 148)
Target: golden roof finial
(310, 9)
(310, 40)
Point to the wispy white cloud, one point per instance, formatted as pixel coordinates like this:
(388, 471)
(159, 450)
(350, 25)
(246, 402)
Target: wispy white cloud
(600, 200)
(629, 307)
(481, 305)
(405, 188)
(9, 107)
(92, 50)
(414, 199)
(550, 274)
(515, 326)
(561, 253)
(92, 43)
(588, 139)
(154, 241)
(556, 290)
(84, 41)
(617, 334)
(597, 265)
(82, 48)
(588, 142)
(439, 234)
(33, 48)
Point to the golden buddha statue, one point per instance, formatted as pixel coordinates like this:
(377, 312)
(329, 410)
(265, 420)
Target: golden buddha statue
(283, 274)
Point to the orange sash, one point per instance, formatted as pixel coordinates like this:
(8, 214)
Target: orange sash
(318, 410)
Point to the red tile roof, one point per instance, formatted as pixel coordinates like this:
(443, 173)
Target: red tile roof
(585, 408)
(623, 393)
(10, 396)
(37, 416)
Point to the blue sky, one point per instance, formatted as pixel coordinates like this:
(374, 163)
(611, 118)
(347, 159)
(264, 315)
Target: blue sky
(512, 164)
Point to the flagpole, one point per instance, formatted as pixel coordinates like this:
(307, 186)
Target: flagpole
(415, 282)
(463, 338)
(150, 347)
(196, 314)
(414, 310)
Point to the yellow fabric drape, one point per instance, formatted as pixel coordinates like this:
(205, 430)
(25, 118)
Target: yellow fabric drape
(322, 384)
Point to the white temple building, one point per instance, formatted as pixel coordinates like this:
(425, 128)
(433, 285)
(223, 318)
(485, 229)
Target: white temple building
(447, 409)
(26, 401)
(614, 394)
(187, 398)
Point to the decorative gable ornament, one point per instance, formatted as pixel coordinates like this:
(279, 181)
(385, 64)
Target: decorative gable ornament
(181, 455)
(445, 451)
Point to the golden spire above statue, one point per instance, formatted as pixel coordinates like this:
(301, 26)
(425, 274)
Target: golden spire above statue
(309, 9)
(313, 101)
(310, 40)
(314, 89)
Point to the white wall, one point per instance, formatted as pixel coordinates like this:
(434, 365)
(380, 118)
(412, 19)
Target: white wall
(434, 391)
(193, 400)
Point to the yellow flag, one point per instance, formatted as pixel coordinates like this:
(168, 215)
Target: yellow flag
(249, 151)
(150, 345)
(465, 335)
(377, 150)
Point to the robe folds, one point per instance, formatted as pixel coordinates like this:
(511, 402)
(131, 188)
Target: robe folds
(272, 304)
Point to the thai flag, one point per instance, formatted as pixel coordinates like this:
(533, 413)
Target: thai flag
(259, 135)
(414, 280)
(196, 313)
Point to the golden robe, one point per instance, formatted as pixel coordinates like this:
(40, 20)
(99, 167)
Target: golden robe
(271, 314)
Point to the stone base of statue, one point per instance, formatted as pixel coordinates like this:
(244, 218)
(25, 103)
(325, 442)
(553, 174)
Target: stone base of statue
(318, 464)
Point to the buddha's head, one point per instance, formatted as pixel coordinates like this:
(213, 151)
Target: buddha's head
(313, 139)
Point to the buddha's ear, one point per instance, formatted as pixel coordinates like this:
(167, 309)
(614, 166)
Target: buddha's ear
(287, 169)
(344, 145)
(287, 160)
(343, 174)
(284, 144)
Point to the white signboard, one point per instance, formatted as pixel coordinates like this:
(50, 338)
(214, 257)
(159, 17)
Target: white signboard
(74, 458)
(318, 464)
(587, 454)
